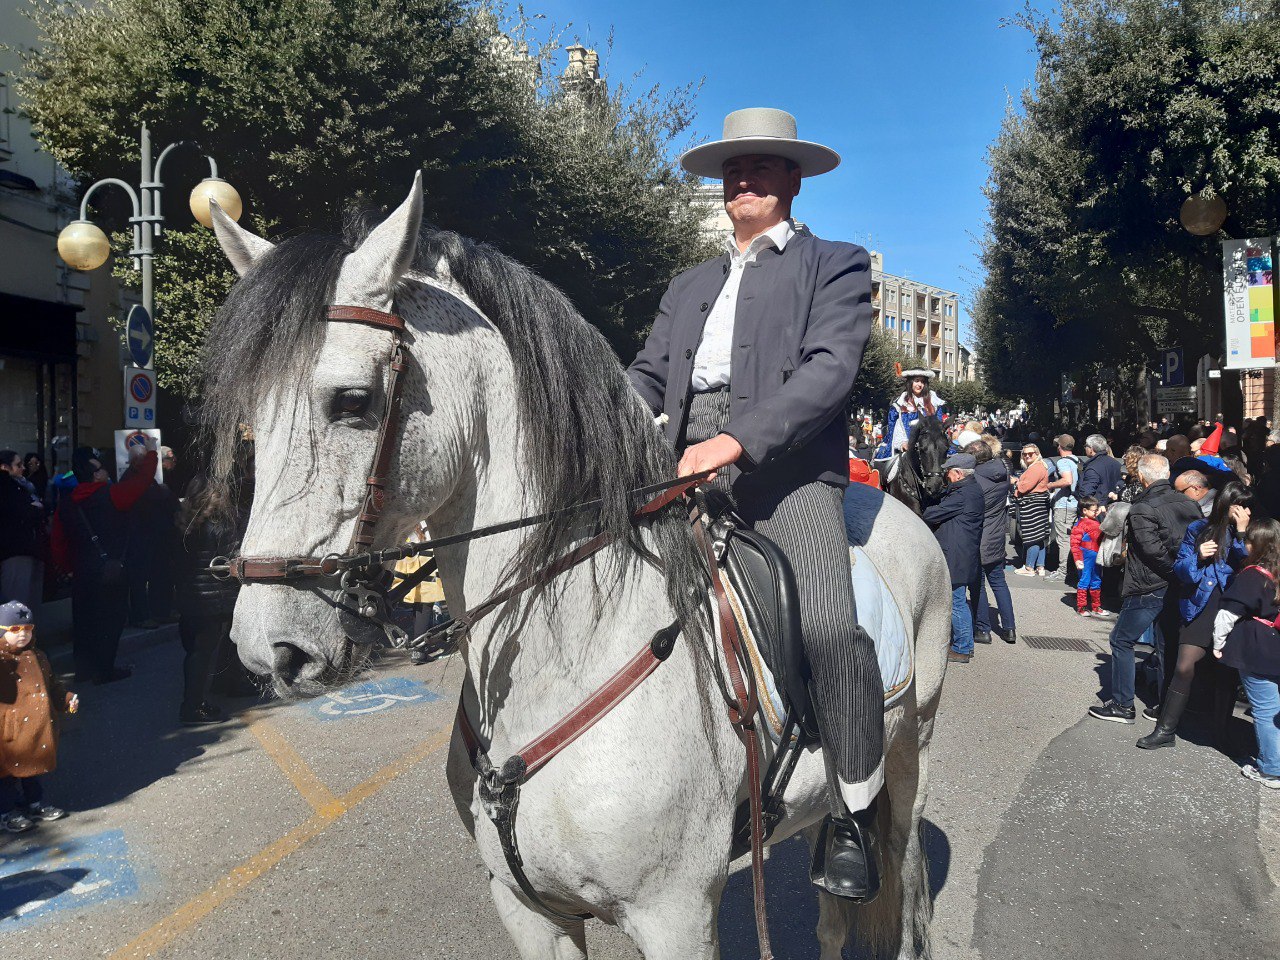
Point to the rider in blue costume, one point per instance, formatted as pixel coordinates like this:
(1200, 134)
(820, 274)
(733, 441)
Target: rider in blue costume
(917, 400)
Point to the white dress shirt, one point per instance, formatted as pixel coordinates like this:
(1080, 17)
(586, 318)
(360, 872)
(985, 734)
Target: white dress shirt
(715, 350)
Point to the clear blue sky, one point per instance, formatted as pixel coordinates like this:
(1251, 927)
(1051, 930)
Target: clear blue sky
(908, 92)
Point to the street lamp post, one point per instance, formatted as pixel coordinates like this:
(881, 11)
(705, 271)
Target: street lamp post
(84, 246)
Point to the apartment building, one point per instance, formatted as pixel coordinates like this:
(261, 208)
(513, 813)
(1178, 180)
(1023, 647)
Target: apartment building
(923, 319)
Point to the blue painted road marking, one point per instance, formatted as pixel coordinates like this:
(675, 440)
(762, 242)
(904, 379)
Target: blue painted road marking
(75, 873)
(374, 696)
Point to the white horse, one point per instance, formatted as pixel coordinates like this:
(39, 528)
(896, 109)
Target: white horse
(513, 404)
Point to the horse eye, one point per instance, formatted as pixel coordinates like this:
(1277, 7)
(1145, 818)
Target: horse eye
(350, 404)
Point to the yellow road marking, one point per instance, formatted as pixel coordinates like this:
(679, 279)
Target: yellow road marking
(163, 933)
(291, 764)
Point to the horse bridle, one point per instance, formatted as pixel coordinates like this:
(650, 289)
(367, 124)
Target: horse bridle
(362, 583)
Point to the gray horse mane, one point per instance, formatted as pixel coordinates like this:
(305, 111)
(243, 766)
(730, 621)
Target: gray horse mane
(585, 433)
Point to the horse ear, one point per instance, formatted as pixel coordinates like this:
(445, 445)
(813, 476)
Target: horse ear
(242, 247)
(370, 275)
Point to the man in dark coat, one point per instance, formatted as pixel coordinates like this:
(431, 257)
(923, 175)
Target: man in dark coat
(1102, 474)
(956, 521)
(1157, 522)
(752, 358)
(993, 480)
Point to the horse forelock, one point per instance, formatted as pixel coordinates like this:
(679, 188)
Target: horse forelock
(267, 333)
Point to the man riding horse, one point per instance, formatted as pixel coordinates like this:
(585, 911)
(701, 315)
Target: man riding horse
(752, 357)
(917, 400)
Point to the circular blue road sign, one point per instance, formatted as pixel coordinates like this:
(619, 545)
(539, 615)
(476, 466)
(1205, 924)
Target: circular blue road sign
(138, 335)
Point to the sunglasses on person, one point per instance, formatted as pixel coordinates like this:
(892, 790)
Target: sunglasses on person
(19, 628)
(1027, 454)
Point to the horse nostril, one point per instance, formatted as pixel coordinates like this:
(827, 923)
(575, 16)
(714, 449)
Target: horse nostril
(289, 661)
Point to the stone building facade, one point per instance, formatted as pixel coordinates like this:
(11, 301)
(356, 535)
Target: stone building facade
(60, 356)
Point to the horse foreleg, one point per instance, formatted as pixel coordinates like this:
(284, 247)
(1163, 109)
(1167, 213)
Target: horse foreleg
(676, 928)
(537, 936)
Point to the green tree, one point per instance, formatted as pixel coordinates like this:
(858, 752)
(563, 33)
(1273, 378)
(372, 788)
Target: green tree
(1136, 106)
(967, 396)
(313, 105)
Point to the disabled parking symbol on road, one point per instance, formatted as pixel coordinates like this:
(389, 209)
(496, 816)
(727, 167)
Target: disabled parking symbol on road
(41, 880)
(374, 696)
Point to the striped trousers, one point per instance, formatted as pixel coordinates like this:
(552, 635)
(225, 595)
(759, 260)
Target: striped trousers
(807, 524)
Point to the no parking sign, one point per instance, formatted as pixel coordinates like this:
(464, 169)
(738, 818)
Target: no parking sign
(130, 443)
(139, 397)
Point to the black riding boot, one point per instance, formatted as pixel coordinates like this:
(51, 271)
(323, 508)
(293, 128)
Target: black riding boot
(846, 857)
(1170, 714)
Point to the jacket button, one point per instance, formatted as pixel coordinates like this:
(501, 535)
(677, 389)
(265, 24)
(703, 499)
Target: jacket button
(688, 354)
(703, 308)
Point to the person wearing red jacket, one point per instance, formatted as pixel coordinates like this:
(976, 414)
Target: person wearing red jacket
(1086, 537)
(90, 539)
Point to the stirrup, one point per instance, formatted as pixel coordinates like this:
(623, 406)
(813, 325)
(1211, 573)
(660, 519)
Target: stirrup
(846, 858)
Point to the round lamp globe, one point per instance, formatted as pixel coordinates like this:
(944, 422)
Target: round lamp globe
(215, 188)
(1203, 217)
(83, 245)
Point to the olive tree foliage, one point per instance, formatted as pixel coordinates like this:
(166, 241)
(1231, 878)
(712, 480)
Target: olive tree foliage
(313, 106)
(1136, 105)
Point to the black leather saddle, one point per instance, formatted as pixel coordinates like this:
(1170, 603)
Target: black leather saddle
(761, 577)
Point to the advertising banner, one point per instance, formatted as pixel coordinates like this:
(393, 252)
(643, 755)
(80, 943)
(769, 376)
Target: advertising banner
(1249, 303)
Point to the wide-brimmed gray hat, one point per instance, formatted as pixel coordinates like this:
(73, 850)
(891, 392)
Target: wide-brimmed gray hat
(760, 130)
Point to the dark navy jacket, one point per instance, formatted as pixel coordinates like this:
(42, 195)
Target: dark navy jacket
(993, 481)
(1100, 475)
(803, 318)
(956, 520)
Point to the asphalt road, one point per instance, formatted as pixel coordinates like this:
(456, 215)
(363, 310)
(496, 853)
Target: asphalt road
(325, 829)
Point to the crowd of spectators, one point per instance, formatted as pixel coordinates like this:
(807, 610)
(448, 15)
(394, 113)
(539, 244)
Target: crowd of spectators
(128, 552)
(1173, 540)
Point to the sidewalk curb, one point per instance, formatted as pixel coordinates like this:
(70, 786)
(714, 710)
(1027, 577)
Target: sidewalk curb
(133, 641)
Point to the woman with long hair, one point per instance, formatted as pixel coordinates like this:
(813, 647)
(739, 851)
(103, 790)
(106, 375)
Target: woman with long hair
(916, 401)
(1211, 552)
(1031, 507)
(1132, 482)
(1245, 637)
